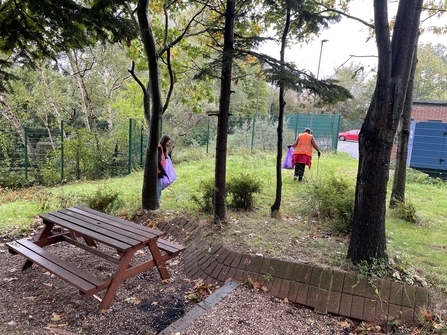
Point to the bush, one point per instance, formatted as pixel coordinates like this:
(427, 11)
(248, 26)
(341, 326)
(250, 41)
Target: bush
(241, 190)
(334, 199)
(206, 200)
(104, 200)
(406, 211)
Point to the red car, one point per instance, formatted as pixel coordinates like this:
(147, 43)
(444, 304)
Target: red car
(350, 135)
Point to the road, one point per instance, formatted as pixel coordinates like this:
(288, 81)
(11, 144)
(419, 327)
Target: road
(351, 147)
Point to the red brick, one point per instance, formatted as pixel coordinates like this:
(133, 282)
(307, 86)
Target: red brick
(322, 301)
(230, 258)
(265, 267)
(394, 311)
(345, 304)
(396, 293)
(408, 316)
(238, 274)
(215, 274)
(369, 310)
(360, 286)
(311, 299)
(231, 273)
(236, 260)
(276, 286)
(293, 291)
(381, 311)
(357, 307)
(409, 293)
(223, 275)
(301, 296)
(334, 302)
(349, 282)
(223, 255)
(284, 290)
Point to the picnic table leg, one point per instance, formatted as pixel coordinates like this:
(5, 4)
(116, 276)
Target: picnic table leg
(116, 280)
(43, 235)
(156, 254)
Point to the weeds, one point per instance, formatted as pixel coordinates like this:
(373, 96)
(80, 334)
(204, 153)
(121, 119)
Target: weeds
(104, 200)
(334, 199)
(406, 211)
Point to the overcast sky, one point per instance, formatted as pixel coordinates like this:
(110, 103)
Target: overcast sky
(346, 38)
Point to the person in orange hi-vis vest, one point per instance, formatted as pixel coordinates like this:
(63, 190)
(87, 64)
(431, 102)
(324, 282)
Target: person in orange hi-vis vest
(302, 155)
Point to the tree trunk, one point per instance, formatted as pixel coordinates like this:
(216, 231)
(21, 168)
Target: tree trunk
(222, 119)
(149, 198)
(400, 171)
(277, 204)
(376, 137)
(80, 90)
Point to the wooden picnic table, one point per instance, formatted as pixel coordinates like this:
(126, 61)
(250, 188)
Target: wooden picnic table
(85, 228)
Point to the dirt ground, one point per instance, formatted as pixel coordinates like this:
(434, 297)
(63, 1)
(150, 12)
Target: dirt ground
(35, 302)
(34, 299)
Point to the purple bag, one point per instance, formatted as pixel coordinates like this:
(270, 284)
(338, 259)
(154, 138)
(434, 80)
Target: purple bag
(287, 164)
(172, 176)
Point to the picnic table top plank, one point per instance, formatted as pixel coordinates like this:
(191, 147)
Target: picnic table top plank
(123, 224)
(124, 235)
(87, 232)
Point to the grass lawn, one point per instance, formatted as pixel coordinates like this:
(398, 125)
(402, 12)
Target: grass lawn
(420, 250)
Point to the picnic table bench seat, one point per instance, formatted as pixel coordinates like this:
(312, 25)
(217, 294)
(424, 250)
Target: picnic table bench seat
(82, 280)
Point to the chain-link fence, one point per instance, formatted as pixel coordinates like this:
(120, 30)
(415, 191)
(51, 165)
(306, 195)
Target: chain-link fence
(69, 153)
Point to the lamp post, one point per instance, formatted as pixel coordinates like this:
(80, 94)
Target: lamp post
(318, 72)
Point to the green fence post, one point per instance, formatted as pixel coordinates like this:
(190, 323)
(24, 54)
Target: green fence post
(129, 161)
(335, 132)
(141, 147)
(253, 132)
(208, 136)
(62, 151)
(25, 137)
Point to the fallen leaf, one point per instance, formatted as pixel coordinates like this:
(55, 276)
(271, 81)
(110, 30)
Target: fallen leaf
(7, 280)
(133, 300)
(344, 324)
(55, 317)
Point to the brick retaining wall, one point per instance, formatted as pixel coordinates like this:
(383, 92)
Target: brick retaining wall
(324, 290)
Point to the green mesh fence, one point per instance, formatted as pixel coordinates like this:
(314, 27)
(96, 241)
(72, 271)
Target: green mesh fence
(68, 153)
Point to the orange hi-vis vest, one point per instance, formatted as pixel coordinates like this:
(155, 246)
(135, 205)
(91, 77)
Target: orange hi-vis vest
(304, 146)
(163, 158)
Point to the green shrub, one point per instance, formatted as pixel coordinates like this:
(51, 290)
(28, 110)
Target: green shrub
(206, 200)
(406, 211)
(241, 190)
(104, 200)
(334, 199)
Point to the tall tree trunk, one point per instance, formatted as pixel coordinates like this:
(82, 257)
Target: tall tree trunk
(376, 137)
(400, 171)
(222, 119)
(277, 204)
(149, 198)
(80, 91)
